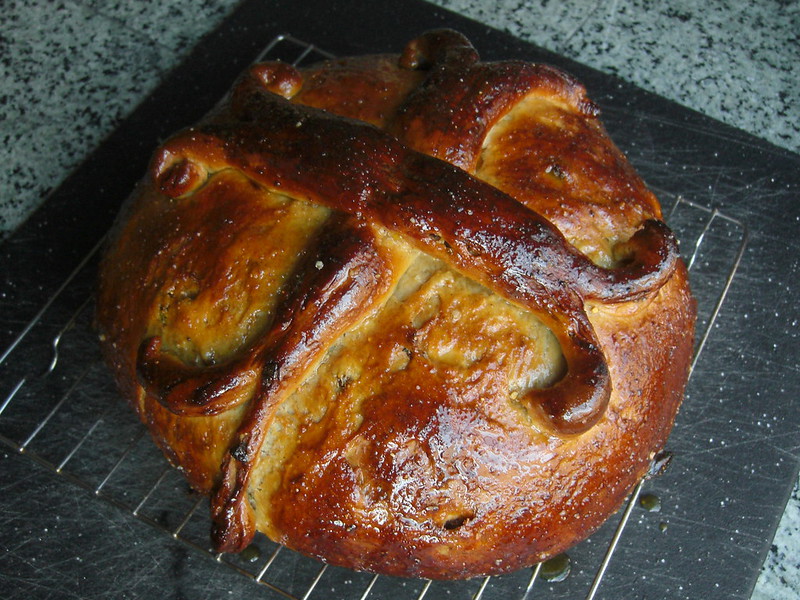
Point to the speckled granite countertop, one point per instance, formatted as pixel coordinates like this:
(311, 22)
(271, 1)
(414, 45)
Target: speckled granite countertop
(71, 71)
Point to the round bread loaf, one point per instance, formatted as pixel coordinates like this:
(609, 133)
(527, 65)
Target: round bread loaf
(412, 314)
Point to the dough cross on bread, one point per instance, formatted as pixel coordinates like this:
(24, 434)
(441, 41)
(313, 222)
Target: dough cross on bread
(409, 186)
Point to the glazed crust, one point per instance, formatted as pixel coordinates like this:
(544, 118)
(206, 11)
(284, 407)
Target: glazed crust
(411, 314)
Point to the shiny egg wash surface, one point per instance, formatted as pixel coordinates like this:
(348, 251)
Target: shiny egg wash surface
(408, 314)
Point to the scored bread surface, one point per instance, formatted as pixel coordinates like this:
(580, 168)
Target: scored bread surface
(411, 314)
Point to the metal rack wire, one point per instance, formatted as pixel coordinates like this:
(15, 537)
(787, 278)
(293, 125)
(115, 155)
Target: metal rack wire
(59, 408)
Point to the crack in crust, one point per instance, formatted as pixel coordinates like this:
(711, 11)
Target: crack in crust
(413, 181)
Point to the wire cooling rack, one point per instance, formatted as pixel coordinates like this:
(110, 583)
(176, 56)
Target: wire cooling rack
(60, 409)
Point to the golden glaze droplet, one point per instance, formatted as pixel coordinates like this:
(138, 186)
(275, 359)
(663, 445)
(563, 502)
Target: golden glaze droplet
(556, 569)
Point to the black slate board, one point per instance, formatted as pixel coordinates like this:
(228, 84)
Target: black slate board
(737, 439)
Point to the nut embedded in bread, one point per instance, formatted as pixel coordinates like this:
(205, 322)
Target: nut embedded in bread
(413, 314)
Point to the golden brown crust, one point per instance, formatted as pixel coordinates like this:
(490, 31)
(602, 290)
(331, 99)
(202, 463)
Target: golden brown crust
(409, 314)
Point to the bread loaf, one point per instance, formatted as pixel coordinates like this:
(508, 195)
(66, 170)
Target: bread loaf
(413, 314)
